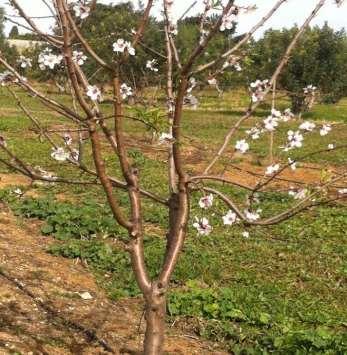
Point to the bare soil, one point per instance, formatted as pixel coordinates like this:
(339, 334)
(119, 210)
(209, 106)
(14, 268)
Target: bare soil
(42, 311)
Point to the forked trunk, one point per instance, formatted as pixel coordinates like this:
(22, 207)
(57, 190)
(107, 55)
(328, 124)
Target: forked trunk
(155, 324)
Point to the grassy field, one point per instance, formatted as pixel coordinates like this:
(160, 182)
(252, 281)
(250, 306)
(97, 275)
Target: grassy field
(282, 291)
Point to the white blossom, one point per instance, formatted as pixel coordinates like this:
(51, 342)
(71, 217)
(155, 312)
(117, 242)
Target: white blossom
(229, 20)
(45, 174)
(67, 139)
(287, 115)
(292, 164)
(257, 89)
(151, 65)
(79, 57)
(298, 195)
(93, 92)
(192, 85)
(126, 91)
(24, 62)
(254, 133)
(202, 226)
(242, 146)
(165, 138)
(18, 192)
(59, 154)
(325, 130)
(212, 81)
(246, 234)
(48, 59)
(230, 218)
(272, 169)
(74, 155)
(82, 11)
(252, 216)
(6, 77)
(307, 126)
(206, 201)
(270, 123)
(121, 45)
(309, 89)
(295, 139)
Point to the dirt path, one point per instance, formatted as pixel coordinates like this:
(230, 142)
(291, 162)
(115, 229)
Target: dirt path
(42, 311)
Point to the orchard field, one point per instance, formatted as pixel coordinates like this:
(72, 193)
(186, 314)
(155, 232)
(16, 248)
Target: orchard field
(283, 290)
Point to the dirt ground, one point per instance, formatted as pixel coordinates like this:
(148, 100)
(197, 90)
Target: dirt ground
(42, 310)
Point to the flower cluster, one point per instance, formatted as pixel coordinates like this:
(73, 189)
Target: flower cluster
(310, 93)
(206, 201)
(229, 20)
(230, 218)
(6, 77)
(272, 169)
(252, 216)
(272, 121)
(325, 130)
(120, 46)
(309, 90)
(60, 154)
(232, 62)
(203, 226)
(242, 146)
(212, 81)
(94, 93)
(307, 126)
(47, 59)
(45, 174)
(126, 91)
(165, 138)
(151, 65)
(24, 62)
(295, 140)
(79, 57)
(298, 194)
(81, 10)
(258, 88)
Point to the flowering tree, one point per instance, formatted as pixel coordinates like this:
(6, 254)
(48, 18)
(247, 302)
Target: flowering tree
(68, 49)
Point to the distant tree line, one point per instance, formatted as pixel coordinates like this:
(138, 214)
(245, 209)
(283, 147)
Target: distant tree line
(321, 58)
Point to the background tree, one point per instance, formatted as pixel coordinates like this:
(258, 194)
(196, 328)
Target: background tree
(14, 33)
(111, 22)
(320, 60)
(10, 52)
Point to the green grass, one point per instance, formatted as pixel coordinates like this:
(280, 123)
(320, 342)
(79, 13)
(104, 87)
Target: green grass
(282, 291)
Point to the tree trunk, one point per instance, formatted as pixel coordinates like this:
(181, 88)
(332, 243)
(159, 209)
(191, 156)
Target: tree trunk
(155, 323)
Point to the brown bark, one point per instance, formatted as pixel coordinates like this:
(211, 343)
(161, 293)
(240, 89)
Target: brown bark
(155, 321)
